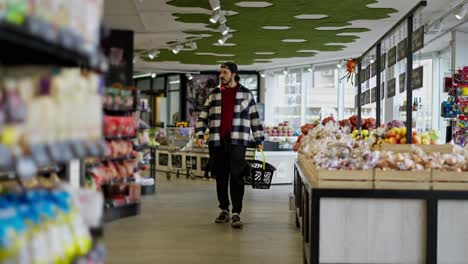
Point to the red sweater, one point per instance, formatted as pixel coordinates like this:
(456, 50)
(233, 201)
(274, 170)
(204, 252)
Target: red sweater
(228, 101)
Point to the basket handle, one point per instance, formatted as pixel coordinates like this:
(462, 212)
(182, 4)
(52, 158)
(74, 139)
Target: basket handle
(263, 157)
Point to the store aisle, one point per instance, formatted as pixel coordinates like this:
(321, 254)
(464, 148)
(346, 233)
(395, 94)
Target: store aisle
(177, 226)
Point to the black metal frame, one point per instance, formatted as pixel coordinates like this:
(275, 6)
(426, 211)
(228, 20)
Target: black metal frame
(308, 205)
(408, 18)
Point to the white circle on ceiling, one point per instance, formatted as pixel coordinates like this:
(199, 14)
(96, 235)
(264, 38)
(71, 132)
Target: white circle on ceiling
(230, 13)
(334, 44)
(253, 4)
(225, 44)
(276, 27)
(310, 16)
(263, 60)
(294, 40)
(264, 53)
(214, 54)
(308, 51)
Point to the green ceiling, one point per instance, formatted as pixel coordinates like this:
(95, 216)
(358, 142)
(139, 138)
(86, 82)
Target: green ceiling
(250, 37)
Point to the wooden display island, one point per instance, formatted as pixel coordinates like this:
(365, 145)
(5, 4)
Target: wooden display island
(362, 223)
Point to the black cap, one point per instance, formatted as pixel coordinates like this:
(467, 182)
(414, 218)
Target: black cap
(230, 66)
(233, 68)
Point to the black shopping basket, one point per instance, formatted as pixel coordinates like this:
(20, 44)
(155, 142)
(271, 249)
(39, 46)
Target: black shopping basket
(261, 173)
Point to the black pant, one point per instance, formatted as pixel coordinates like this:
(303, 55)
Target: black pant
(229, 167)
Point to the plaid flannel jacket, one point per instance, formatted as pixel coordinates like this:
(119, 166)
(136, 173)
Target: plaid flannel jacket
(245, 118)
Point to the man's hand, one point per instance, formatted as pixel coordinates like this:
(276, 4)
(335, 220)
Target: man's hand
(260, 147)
(201, 143)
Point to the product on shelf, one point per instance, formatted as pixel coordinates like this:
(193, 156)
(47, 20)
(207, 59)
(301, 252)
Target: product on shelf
(42, 226)
(50, 114)
(118, 99)
(282, 130)
(119, 126)
(67, 22)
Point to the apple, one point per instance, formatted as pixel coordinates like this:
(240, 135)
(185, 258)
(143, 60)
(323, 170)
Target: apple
(403, 131)
(392, 140)
(390, 134)
(398, 136)
(425, 141)
(416, 139)
(403, 140)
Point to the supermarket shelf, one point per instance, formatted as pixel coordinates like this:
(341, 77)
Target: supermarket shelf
(118, 112)
(115, 213)
(120, 137)
(148, 189)
(22, 47)
(123, 158)
(141, 147)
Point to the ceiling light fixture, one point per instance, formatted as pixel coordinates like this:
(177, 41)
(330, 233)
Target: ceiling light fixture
(152, 55)
(193, 45)
(339, 65)
(223, 29)
(262, 75)
(153, 75)
(223, 40)
(222, 18)
(215, 17)
(372, 60)
(310, 69)
(177, 49)
(189, 76)
(285, 71)
(215, 5)
(461, 13)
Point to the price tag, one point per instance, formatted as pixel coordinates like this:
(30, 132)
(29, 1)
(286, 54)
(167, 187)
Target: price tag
(39, 155)
(55, 152)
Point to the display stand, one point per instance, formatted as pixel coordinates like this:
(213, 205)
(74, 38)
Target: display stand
(352, 225)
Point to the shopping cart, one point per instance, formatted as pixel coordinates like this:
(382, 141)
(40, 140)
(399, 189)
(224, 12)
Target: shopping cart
(261, 173)
(179, 140)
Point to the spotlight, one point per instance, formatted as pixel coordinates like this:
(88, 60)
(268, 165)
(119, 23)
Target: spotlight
(285, 71)
(262, 75)
(222, 18)
(153, 75)
(223, 29)
(193, 45)
(189, 76)
(310, 69)
(339, 65)
(215, 5)
(152, 55)
(460, 14)
(223, 40)
(215, 17)
(372, 60)
(177, 49)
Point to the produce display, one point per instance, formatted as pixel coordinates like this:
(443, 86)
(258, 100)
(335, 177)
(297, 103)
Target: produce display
(44, 226)
(329, 147)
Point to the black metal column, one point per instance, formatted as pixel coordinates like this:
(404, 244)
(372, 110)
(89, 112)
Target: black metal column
(314, 227)
(378, 53)
(359, 104)
(409, 81)
(431, 230)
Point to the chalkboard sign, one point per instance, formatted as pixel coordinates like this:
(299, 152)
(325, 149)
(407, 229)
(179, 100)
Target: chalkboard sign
(402, 82)
(382, 91)
(374, 95)
(374, 69)
(391, 88)
(367, 97)
(392, 57)
(368, 72)
(418, 39)
(417, 78)
(383, 62)
(402, 47)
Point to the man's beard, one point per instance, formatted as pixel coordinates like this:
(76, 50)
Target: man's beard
(224, 82)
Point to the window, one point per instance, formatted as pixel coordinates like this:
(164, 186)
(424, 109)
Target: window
(250, 81)
(322, 96)
(173, 94)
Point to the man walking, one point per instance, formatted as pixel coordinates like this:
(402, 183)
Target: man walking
(230, 113)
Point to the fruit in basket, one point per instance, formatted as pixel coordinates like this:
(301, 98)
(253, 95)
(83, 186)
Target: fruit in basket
(329, 119)
(395, 123)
